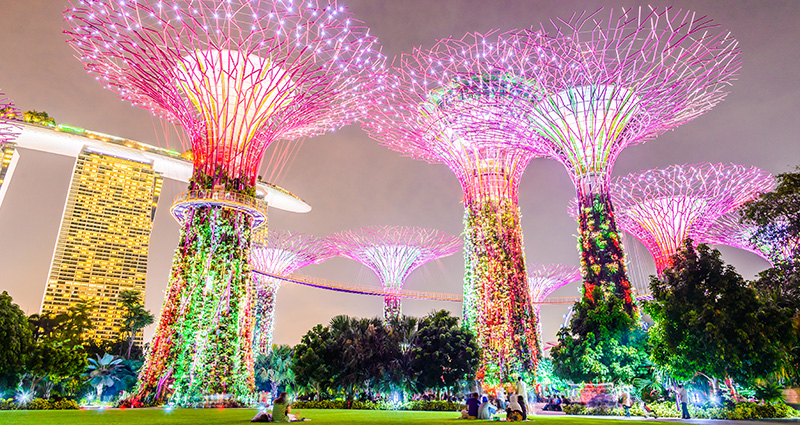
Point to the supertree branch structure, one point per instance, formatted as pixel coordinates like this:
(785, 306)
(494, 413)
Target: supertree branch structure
(613, 82)
(729, 230)
(543, 279)
(393, 252)
(664, 207)
(8, 114)
(235, 75)
(282, 253)
(461, 103)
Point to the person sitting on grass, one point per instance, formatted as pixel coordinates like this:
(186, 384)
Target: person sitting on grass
(473, 403)
(486, 410)
(514, 409)
(281, 410)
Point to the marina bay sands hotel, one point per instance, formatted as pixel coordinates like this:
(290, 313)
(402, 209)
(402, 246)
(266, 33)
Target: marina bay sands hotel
(104, 236)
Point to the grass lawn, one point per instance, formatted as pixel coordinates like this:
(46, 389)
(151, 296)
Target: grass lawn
(242, 416)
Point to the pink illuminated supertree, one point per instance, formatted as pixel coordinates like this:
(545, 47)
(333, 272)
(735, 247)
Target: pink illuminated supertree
(612, 82)
(393, 252)
(281, 253)
(8, 114)
(729, 230)
(543, 279)
(457, 104)
(236, 76)
(664, 207)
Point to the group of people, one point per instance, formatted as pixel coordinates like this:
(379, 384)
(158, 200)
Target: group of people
(486, 407)
(281, 412)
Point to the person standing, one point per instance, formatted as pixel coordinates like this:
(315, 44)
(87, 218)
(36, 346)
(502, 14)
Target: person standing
(626, 403)
(683, 398)
(522, 390)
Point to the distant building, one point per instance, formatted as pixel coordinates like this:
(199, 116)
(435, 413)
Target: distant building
(103, 241)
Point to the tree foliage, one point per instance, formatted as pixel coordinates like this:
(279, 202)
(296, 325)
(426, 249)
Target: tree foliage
(274, 370)
(443, 353)
(776, 216)
(354, 355)
(134, 316)
(710, 321)
(603, 343)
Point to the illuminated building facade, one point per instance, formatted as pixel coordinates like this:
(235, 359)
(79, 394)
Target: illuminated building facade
(104, 238)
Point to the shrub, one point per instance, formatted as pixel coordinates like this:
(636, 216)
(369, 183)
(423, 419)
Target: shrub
(666, 409)
(433, 405)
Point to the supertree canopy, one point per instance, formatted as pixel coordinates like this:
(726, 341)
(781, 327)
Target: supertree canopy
(664, 207)
(543, 279)
(457, 104)
(615, 82)
(393, 252)
(281, 253)
(8, 113)
(729, 230)
(236, 75)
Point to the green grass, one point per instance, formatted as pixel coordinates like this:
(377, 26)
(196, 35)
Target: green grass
(242, 416)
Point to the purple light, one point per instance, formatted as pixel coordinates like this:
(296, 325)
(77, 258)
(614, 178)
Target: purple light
(282, 253)
(393, 252)
(663, 207)
(8, 114)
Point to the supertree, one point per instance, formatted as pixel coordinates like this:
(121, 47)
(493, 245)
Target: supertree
(729, 230)
(393, 252)
(612, 83)
(543, 279)
(664, 207)
(281, 253)
(8, 114)
(236, 75)
(457, 104)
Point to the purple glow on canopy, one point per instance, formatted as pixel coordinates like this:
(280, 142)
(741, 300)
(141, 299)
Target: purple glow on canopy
(235, 75)
(612, 82)
(663, 207)
(730, 231)
(8, 113)
(457, 104)
(543, 279)
(393, 252)
(282, 253)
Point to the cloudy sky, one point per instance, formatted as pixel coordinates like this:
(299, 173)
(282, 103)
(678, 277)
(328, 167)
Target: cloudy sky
(351, 181)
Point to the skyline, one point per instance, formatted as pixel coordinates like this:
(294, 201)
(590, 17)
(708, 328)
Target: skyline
(753, 126)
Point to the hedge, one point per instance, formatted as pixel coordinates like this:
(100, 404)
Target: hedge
(739, 411)
(39, 404)
(438, 406)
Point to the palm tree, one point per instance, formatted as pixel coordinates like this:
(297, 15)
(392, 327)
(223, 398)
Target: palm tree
(276, 368)
(102, 372)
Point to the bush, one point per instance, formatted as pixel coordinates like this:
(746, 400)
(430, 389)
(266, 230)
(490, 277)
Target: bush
(666, 409)
(434, 406)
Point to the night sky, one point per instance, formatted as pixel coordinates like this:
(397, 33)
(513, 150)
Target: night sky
(351, 181)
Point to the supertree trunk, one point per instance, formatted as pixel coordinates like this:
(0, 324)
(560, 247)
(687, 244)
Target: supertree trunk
(392, 304)
(266, 291)
(497, 303)
(600, 244)
(202, 349)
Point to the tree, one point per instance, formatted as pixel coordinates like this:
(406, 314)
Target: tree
(15, 341)
(443, 352)
(710, 321)
(275, 369)
(776, 216)
(602, 343)
(134, 316)
(102, 372)
(315, 361)
(57, 353)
